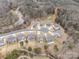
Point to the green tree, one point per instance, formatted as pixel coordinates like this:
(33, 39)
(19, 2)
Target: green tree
(21, 43)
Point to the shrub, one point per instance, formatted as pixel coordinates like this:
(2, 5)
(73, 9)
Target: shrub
(29, 48)
(71, 45)
(37, 50)
(13, 55)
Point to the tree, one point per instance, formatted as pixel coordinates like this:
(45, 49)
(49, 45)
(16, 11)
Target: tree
(26, 41)
(45, 47)
(30, 49)
(21, 43)
(56, 48)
